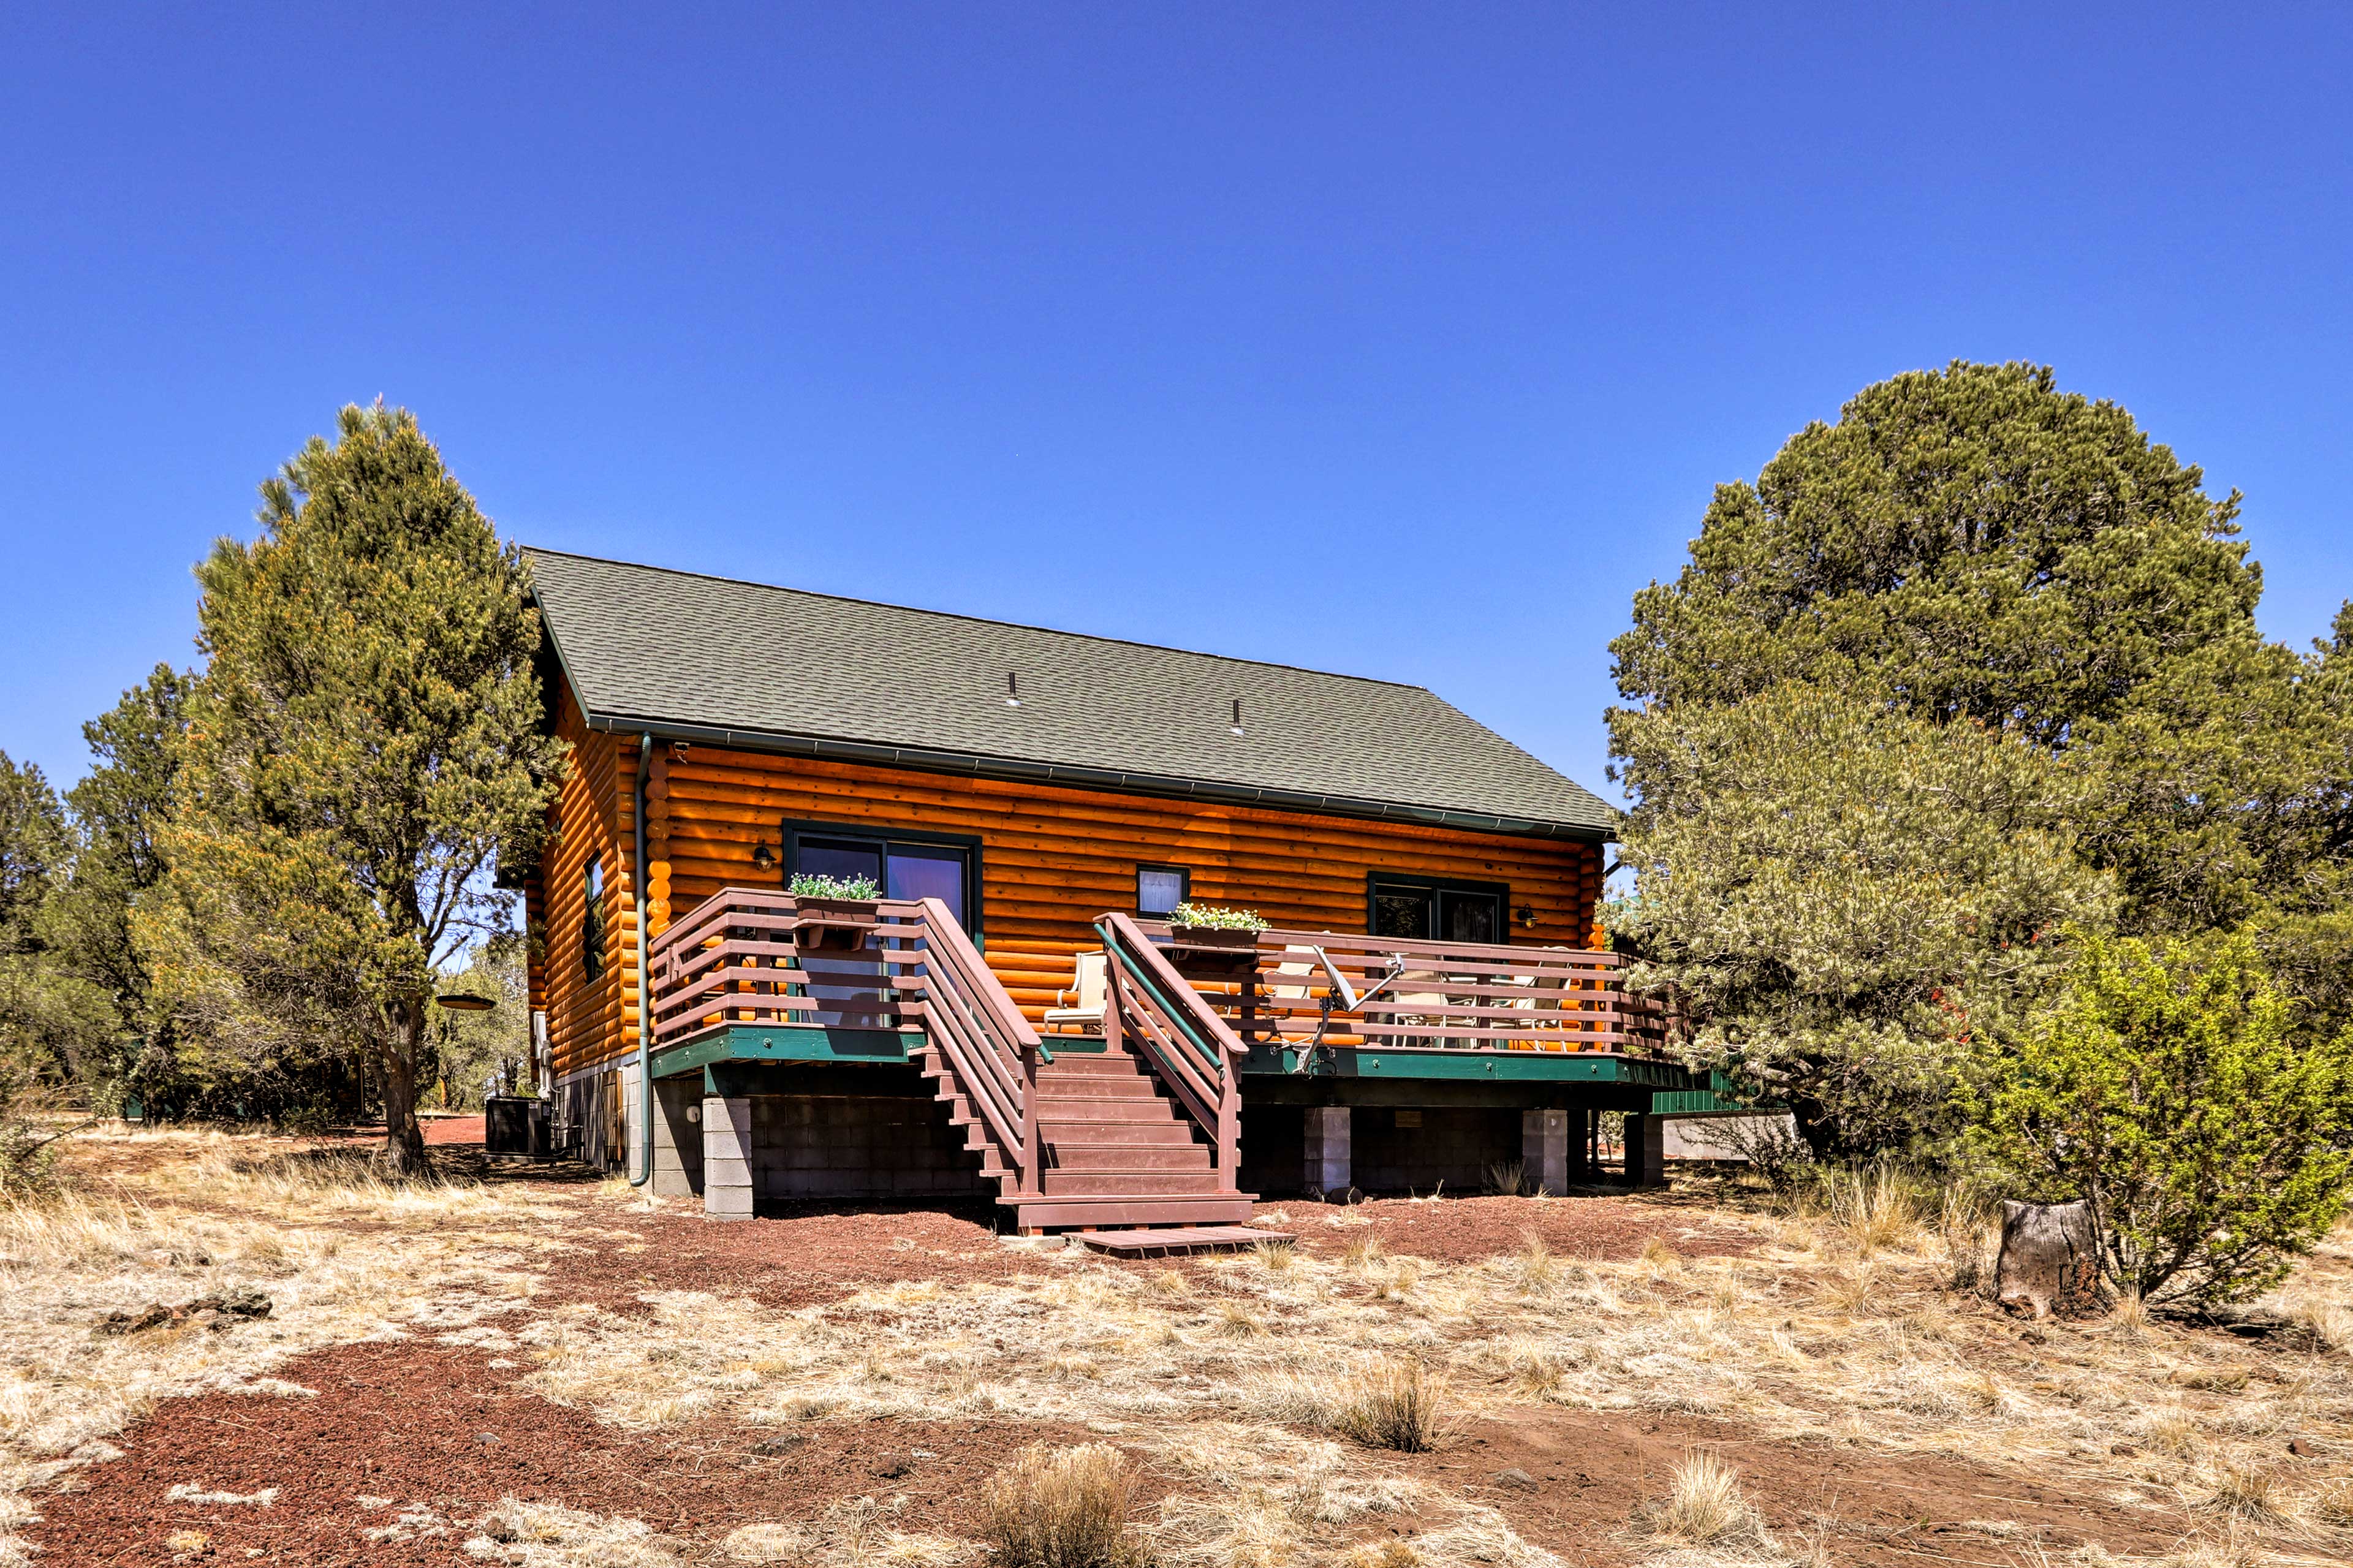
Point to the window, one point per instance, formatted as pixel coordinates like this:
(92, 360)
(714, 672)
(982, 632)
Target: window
(1419, 909)
(1160, 888)
(592, 918)
(904, 863)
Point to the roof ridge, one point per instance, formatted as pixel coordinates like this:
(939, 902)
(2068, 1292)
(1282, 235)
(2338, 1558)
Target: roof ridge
(983, 620)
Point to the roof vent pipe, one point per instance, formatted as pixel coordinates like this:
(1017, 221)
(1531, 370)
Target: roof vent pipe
(1012, 691)
(1238, 715)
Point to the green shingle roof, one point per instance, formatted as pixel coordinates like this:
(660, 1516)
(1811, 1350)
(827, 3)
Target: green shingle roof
(689, 657)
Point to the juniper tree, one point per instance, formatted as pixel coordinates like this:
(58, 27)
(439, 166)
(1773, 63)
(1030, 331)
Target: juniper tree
(2170, 1090)
(364, 742)
(1973, 546)
(1852, 903)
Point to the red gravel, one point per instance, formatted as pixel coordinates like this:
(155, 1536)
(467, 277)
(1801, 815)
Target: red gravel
(435, 1428)
(1467, 1230)
(792, 1259)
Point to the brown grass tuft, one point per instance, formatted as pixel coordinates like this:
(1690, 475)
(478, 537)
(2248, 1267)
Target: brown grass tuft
(1395, 1405)
(1064, 1507)
(1705, 1506)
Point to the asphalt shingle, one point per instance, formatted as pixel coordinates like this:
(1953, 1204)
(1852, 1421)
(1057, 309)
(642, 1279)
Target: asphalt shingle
(643, 644)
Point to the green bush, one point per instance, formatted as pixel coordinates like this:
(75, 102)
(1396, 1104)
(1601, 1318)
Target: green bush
(2165, 1089)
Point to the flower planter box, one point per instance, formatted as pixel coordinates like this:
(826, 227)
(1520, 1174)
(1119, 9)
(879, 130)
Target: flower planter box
(834, 925)
(1213, 936)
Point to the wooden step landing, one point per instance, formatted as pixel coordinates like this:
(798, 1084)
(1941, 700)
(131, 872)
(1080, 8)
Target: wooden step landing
(1179, 1238)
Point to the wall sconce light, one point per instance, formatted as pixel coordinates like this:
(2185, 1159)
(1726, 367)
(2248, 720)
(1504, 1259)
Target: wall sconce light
(762, 856)
(1527, 916)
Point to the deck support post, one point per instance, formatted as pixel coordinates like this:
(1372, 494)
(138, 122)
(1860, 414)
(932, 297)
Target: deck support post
(1329, 1172)
(727, 1156)
(1544, 1149)
(1646, 1151)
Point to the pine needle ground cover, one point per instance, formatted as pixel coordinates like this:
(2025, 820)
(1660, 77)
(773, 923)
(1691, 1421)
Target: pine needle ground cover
(535, 1369)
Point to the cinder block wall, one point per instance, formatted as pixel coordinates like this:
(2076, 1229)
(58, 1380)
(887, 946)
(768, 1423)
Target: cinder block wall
(1454, 1146)
(857, 1146)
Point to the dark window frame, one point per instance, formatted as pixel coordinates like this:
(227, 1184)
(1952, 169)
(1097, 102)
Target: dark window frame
(1500, 891)
(792, 829)
(1183, 884)
(592, 920)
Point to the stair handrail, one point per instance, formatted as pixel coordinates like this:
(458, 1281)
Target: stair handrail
(988, 1044)
(1168, 1010)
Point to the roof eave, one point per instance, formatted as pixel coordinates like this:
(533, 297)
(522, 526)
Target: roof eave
(931, 760)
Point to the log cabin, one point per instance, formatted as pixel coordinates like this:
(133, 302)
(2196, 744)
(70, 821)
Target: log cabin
(1016, 1017)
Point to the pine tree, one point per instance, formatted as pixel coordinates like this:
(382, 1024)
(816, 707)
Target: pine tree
(364, 741)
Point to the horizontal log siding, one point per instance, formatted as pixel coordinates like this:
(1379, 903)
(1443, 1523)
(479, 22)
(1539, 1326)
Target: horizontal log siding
(1053, 858)
(584, 1021)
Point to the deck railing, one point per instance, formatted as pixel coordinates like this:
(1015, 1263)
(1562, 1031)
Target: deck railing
(1180, 1034)
(1433, 996)
(738, 958)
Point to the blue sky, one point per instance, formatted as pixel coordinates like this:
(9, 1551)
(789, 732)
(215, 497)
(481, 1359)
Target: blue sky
(1406, 340)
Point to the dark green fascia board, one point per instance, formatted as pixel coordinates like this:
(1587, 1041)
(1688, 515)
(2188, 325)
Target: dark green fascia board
(1717, 1097)
(1500, 1066)
(816, 1043)
(785, 1043)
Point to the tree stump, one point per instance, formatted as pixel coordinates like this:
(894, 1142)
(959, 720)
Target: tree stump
(2050, 1261)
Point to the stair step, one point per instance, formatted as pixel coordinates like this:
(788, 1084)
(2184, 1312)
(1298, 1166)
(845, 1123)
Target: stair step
(1201, 1183)
(1160, 1242)
(1130, 1134)
(1105, 1108)
(1106, 1064)
(1112, 1212)
(1099, 1086)
(1127, 1156)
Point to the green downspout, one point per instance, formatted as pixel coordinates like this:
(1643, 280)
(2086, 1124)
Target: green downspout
(638, 881)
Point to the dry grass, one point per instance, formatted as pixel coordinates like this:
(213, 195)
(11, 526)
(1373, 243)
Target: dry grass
(1064, 1508)
(1704, 1507)
(1397, 1405)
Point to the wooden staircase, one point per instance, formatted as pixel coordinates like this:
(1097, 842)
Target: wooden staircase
(1115, 1148)
(1140, 1130)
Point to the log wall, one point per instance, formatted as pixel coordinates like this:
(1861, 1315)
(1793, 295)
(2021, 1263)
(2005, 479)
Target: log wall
(1053, 858)
(586, 1021)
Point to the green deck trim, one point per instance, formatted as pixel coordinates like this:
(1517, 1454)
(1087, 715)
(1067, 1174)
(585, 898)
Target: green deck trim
(1500, 1066)
(816, 1043)
(1716, 1099)
(785, 1043)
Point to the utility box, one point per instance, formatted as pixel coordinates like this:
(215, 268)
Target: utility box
(515, 1125)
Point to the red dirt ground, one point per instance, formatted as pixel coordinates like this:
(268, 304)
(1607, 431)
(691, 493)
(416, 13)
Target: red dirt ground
(441, 1130)
(1590, 1469)
(1467, 1230)
(792, 1259)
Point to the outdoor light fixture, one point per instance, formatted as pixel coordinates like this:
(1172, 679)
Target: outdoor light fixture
(762, 856)
(466, 1002)
(1527, 916)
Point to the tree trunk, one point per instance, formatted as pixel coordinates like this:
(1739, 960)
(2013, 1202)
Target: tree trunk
(2050, 1260)
(404, 1141)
